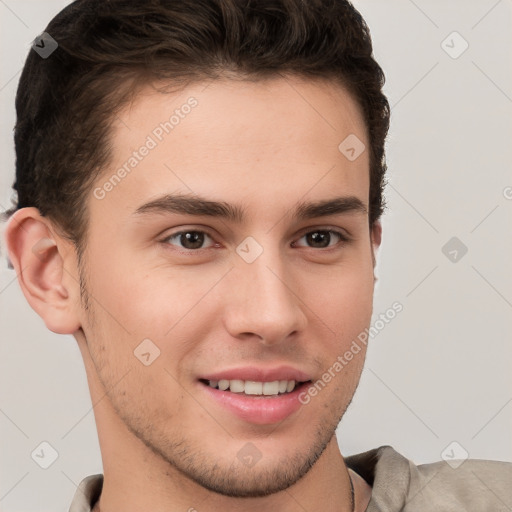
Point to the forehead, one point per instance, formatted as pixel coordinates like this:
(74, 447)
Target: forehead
(228, 104)
(237, 141)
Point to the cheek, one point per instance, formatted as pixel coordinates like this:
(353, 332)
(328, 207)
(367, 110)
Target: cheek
(346, 295)
(345, 307)
(134, 304)
(146, 317)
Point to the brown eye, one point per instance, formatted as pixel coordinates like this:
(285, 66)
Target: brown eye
(319, 238)
(188, 239)
(323, 238)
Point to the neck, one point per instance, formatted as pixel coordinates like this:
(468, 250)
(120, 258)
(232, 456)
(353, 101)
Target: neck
(360, 490)
(136, 481)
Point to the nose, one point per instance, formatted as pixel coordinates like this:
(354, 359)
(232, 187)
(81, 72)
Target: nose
(263, 300)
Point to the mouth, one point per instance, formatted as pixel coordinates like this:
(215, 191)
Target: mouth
(256, 388)
(255, 402)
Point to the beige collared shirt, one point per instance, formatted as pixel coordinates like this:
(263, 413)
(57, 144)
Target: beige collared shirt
(399, 485)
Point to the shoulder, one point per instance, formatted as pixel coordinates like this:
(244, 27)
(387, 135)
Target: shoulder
(87, 493)
(399, 484)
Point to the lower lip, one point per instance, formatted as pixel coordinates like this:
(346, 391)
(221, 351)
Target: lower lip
(258, 409)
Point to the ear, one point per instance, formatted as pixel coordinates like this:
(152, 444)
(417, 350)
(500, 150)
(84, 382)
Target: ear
(46, 269)
(376, 239)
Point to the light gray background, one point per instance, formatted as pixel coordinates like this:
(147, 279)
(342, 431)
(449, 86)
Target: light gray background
(440, 371)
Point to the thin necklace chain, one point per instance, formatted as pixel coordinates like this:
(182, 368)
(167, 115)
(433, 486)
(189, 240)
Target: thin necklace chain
(352, 494)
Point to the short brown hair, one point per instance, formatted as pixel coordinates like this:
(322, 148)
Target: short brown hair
(107, 49)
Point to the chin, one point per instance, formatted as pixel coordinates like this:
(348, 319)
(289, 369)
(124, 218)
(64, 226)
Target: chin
(241, 481)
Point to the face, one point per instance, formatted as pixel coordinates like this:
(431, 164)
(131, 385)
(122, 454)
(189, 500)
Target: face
(236, 247)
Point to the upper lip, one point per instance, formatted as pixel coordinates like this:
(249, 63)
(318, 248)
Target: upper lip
(259, 374)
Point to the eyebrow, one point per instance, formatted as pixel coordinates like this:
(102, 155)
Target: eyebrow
(196, 205)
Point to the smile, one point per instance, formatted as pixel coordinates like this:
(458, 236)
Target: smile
(260, 403)
(249, 387)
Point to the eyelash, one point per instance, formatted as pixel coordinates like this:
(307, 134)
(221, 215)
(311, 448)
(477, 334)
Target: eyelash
(343, 239)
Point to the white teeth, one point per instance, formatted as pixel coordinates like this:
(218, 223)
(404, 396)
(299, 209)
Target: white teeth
(253, 388)
(250, 387)
(223, 384)
(237, 386)
(271, 388)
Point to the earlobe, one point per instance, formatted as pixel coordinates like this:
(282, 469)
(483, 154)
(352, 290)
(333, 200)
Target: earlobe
(38, 256)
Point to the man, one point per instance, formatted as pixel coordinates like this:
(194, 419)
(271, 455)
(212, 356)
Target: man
(199, 201)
